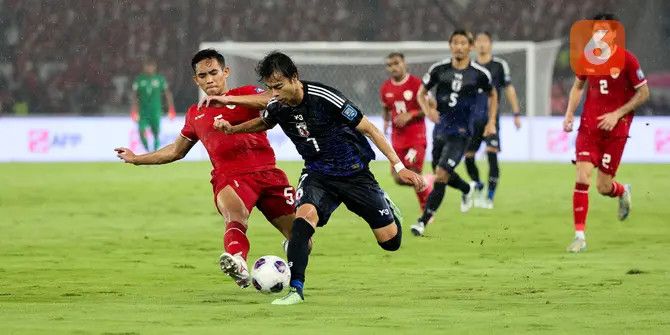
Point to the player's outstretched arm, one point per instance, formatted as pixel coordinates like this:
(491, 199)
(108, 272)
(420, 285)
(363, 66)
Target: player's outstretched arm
(510, 94)
(253, 101)
(422, 99)
(609, 120)
(167, 154)
(251, 126)
(490, 127)
(368, 129)
(573, 101)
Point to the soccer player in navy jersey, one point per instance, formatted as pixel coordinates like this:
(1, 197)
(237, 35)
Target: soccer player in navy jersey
(329, 132)
(457, 81)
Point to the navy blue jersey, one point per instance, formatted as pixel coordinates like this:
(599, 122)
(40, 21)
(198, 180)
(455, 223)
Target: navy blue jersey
(500, 77)
(322, 127)
(456, 94)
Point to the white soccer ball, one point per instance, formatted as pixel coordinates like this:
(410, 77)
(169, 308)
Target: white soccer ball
(270, 274)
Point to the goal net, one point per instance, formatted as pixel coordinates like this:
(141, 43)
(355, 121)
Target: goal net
(357, 68)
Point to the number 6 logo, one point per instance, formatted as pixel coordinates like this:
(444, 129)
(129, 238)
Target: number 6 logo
(597, 51)
(594, 45)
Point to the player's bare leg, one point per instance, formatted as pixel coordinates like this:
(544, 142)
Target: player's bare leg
(422, 195)
(302, 230)
(607, 186)
(236, 245)
(580, 205)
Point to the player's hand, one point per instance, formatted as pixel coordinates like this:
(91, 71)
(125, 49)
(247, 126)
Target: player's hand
(402, 119)
(433, 115)
(134, 114)
(223, 125)
(411, 177)
(608, 121)
(171, 113)
(517, 122)
(489, 129)
(208, 99)
(568, 122)
(126, 155)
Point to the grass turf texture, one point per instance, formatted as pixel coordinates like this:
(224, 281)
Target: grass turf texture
(113, 248)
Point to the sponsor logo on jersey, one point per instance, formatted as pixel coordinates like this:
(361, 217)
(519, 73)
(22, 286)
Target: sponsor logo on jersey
(350, 113)
(408, 95)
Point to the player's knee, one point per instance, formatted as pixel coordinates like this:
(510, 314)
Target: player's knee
(442, 175)
(393, 243)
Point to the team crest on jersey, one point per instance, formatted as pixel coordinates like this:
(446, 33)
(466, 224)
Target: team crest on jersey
(408, 94)
(350, 113)
(302, 129)
(615, 72)
(154, 83)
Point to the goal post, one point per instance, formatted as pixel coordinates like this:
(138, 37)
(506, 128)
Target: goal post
(357, 68)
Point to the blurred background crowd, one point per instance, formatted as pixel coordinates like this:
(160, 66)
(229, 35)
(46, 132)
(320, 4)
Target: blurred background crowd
(79, 57)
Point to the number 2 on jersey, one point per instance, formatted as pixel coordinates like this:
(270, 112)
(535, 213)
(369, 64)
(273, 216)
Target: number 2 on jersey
(603, 86)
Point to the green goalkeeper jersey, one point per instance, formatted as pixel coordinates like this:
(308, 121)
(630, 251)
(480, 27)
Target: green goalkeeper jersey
(150, 90)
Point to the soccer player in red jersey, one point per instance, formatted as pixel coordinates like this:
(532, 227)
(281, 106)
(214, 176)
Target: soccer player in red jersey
(402, 111)
(610, 103)
(244, 173)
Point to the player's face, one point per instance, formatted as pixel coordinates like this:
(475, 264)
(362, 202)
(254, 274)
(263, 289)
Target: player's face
(396, 67)
(150, 68)
(283, 89)
(460, 47)
(211, 77)
(483, 44)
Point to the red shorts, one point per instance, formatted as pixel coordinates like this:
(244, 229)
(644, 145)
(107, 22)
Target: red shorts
(412, 156)
(268, 190)
(601, 150)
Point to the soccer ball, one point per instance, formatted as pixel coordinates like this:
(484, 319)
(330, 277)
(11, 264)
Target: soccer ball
(270, 274)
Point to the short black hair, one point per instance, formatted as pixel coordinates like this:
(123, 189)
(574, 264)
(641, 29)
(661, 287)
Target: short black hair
(461, 32)
(276, 61)
(207, 54)
(485, 33)
(605, 16)
(396, 54)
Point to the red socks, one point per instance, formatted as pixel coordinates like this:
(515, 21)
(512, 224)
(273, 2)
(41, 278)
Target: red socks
(235, 239)
(423, 194)
(617, 190)
(580, 205)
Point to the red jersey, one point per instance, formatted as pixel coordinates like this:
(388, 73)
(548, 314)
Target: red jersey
(235, 153)
(606, 93)
(400, 98)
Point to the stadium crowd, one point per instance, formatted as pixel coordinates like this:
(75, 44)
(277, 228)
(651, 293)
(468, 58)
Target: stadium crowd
(80, 56)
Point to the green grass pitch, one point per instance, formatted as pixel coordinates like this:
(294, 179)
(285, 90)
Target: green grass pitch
(105, 248)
